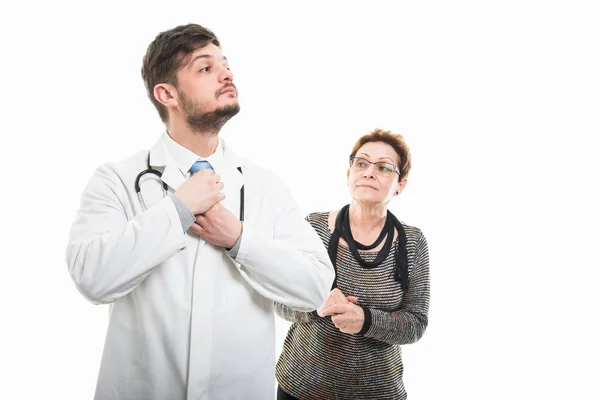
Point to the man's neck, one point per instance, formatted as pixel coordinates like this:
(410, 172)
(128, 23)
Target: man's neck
(201, 143)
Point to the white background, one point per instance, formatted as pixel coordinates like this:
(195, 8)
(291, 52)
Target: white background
(499, 102)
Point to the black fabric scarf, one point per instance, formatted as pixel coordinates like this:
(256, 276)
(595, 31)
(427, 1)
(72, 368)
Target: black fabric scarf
(342, 230)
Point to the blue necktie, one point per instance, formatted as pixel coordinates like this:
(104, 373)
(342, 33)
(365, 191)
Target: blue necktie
(200, 165)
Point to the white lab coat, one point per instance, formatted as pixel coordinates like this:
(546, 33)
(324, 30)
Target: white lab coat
(186, 320)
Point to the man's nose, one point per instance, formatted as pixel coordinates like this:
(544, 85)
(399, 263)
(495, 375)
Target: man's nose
(226, 75)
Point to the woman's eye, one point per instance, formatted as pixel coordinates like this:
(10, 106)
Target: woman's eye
(205, 69)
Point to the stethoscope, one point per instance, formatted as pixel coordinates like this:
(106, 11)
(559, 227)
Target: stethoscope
(152, 171)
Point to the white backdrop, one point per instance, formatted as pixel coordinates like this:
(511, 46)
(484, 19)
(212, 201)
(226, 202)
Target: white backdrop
(499, 102)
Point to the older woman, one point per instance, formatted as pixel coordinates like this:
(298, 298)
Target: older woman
(349, 348)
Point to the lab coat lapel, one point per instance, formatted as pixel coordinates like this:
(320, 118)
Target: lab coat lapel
(232, 180)
(172, 176)
(159, 159)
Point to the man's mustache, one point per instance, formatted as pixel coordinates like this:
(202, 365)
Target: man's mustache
(227, 86)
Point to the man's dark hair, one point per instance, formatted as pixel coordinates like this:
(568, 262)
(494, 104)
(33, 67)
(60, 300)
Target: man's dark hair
(170, 51)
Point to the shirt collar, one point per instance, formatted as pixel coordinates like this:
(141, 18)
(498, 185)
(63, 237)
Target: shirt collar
(184, 158)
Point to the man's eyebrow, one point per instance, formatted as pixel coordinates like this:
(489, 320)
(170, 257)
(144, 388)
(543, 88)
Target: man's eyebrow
(201, 56)
(205, 56)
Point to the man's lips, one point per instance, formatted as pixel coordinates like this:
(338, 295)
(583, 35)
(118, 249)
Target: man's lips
(228, 90)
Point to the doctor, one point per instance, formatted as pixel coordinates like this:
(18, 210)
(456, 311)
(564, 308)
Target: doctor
(190, 286)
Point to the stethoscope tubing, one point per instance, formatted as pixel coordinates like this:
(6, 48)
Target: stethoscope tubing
(158, 174)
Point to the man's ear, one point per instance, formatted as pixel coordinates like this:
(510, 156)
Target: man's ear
(166, 94)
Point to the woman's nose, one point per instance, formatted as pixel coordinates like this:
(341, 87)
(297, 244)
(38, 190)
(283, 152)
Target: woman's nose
(368, 173)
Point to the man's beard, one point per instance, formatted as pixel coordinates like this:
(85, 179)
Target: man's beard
(207, 122)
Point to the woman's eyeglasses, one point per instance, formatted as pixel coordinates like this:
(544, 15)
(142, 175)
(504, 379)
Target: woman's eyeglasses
(382, 168)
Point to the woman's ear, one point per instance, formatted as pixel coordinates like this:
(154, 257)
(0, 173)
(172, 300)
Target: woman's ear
(401, 186)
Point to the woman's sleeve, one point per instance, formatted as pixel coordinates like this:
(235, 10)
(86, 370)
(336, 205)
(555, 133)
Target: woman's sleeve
(407, 324)
(291, 315)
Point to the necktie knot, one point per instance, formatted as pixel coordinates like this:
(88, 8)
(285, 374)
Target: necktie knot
(200, 165)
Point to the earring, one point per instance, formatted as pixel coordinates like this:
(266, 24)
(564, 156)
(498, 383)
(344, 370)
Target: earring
(396, 193)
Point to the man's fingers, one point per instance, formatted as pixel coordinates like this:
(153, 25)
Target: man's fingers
(201, 220)
(352, 299)
(205, 172)
(216, 209)
(197, 229)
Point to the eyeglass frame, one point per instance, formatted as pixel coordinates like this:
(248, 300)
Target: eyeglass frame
(352, 158)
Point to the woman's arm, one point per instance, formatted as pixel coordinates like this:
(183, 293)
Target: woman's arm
(407, 324)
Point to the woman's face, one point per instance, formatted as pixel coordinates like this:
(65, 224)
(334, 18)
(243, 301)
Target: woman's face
(375, 183)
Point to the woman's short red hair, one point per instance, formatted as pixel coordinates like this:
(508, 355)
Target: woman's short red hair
(396, 141)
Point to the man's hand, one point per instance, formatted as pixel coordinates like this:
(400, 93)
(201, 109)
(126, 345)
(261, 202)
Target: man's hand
(348, 318)
(202, 191)
(336, 297)
(218, 226)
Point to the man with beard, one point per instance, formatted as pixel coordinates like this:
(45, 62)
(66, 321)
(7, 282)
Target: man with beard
(190, 244)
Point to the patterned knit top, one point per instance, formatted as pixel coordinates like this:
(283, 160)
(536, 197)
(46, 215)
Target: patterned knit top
(318, 362)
